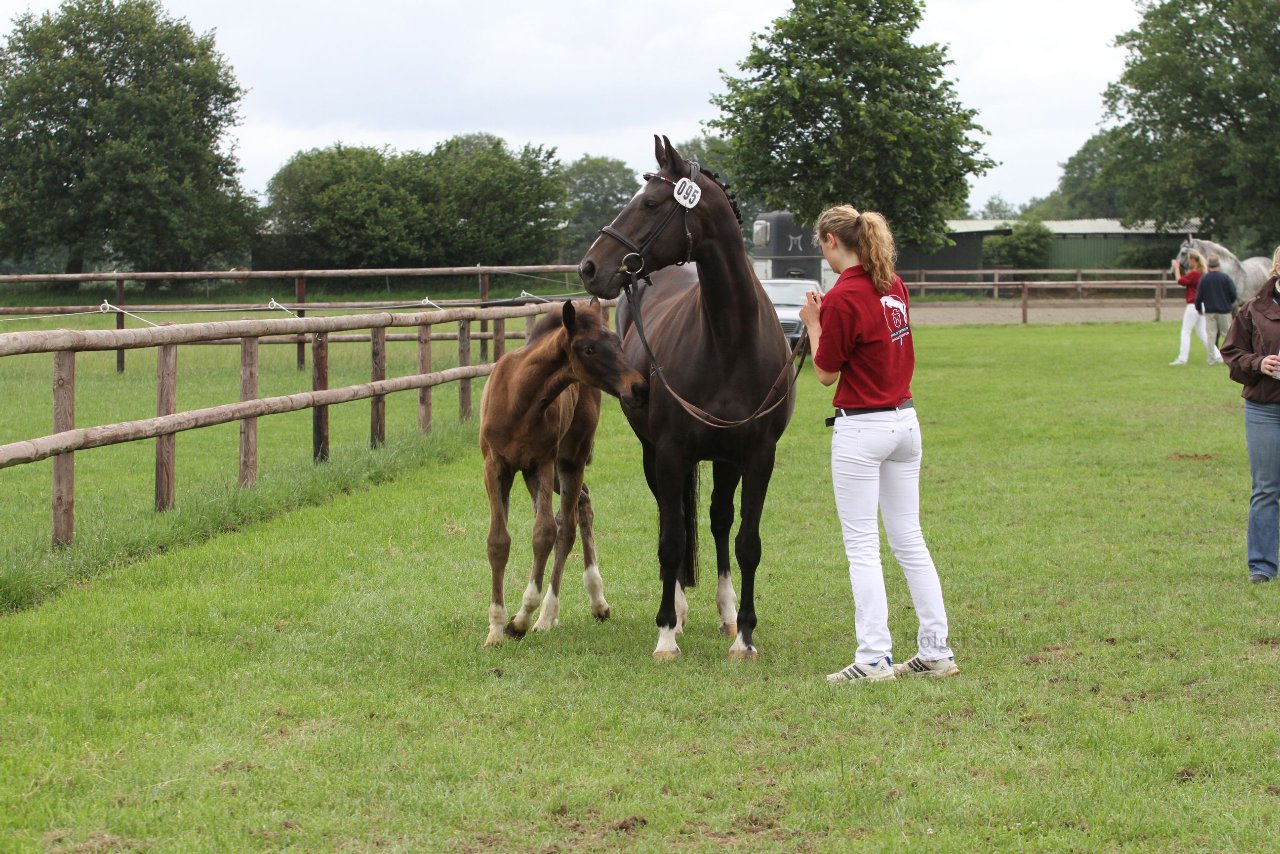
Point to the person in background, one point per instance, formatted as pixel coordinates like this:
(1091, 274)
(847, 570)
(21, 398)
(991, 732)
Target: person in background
(1250, 351)
(860, 334)
(1215, 295)
(1191, 319)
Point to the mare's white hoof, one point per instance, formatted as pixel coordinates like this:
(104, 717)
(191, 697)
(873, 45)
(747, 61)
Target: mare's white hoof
(495, 636)
(729, 630)
(666, 649)
(741, 652)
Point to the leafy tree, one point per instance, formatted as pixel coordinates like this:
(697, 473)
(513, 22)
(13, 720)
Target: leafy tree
(468, 201)
(597, 188)
(837, 105)
(1199, 121)
(997, 208)
(112, 124)
(343, 207)
(1027, 247)
(496, 206)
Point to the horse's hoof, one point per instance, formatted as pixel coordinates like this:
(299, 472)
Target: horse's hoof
(666, 654)
(746, 653)
(729, 630)
(603, 615)
(514, 631)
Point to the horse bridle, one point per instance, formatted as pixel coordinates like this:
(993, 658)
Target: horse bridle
(635, 275)
(637, 252)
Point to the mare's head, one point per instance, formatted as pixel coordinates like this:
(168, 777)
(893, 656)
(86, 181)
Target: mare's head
(677, 210)
(1189, 248)
(595, 355)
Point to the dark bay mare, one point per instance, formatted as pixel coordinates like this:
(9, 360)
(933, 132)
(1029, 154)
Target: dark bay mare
(538, 418)
(721, 383)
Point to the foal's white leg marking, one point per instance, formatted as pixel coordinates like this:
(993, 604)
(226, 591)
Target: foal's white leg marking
(741, 650)
(549, 617)
(528, 604)
(666, 648)
(682, 608)
(497, 621)
(727, 602)
(595, 591)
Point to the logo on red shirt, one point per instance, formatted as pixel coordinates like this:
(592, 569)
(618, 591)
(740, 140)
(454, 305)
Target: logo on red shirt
(895, 317)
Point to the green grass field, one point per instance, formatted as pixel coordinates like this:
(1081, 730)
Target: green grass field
(303, 669)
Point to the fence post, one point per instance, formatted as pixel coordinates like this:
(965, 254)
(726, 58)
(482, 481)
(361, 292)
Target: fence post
(320, 382)
(378, 403)
(484, 324)
(1164, 277)
(166, 404)
(424, 367)
(464, 359)
(500, 338)
(1079, 284)
(64, 470)
(248, 426)
(300, 296)
(1026, 288)
(119, 323)
(995, 284)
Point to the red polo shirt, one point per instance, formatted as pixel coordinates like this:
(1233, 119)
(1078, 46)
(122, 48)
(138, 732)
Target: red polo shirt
(866, 337)
(1190, 280)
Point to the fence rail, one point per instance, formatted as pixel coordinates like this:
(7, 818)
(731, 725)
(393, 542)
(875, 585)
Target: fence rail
(67, 438)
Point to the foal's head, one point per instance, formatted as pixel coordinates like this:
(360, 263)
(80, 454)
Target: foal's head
(595, 354)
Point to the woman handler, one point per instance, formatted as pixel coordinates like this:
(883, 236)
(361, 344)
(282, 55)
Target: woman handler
(1250, 351)
(860, 333)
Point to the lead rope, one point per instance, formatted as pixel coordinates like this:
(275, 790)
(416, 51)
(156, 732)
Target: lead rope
(699, 414)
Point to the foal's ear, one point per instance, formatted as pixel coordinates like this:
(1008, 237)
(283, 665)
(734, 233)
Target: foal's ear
(569, 315)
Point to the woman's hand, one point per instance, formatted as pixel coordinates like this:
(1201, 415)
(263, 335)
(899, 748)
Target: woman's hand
(1270, 365)
(809, 312)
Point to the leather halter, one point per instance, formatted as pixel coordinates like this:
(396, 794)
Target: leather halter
(637, 252)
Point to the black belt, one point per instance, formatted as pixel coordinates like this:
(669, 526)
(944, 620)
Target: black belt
(842, 413)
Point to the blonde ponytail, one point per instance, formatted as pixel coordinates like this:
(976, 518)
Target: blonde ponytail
(868, 235)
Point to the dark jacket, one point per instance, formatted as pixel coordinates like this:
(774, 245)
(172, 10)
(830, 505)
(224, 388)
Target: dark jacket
(1216, 293)
(1255, 333)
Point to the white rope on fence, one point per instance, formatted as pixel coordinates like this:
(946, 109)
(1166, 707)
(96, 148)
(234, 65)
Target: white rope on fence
(107, 307)
(49, 316)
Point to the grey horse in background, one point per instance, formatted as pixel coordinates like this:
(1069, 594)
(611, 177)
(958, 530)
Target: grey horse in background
(1249, 274)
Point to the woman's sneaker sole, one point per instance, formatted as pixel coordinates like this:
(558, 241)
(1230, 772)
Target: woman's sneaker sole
(916, 667)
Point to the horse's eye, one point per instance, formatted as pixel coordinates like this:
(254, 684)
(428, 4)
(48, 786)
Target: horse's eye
(650, 203)
(590, 351)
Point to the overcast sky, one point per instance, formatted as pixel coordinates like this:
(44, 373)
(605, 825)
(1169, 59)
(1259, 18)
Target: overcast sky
(600, 78)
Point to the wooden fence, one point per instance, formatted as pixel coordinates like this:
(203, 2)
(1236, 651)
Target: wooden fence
(298, 279)
(66, 439)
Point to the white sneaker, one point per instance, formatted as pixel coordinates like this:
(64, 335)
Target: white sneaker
(876, 671)
(917, 666)
(1178, 362)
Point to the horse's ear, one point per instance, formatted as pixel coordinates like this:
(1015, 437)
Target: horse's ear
(569, 315)
(659, 153)
(672, 160)
(595, 303)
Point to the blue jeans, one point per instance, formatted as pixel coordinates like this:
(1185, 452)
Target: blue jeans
(1262, 434)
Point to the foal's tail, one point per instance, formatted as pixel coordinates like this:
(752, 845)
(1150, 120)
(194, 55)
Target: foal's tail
(689, 566)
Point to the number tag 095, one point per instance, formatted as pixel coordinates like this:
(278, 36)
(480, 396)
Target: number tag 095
(688, 193)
